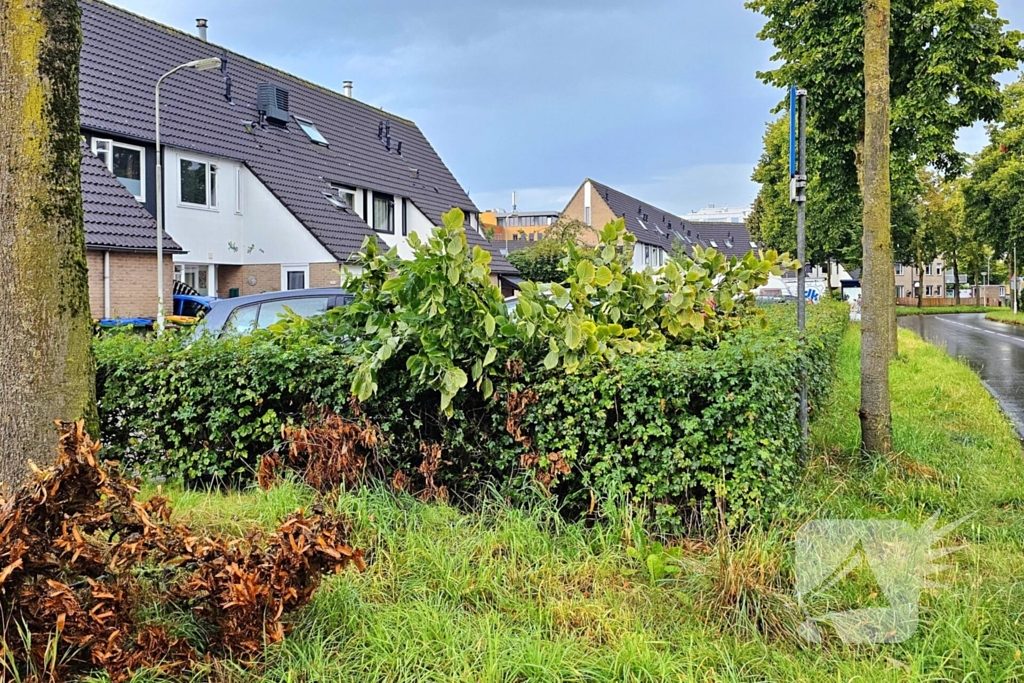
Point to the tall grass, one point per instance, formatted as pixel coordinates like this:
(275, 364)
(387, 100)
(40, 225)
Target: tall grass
(509, 594)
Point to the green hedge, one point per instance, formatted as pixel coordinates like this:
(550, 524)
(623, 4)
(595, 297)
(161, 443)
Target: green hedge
(207, 410)
(673, 427)
(669, 426)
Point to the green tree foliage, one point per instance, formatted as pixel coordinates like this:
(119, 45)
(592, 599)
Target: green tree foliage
(994, 194)
(943, 61)
(833, 219)
(543, 261)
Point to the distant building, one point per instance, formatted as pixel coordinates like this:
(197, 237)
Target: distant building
(937, 281)
(526, 226)
(657, 231)
(720, 214)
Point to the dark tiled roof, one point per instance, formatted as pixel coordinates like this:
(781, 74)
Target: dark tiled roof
(114, 219)
(664, 229)
(124, 54)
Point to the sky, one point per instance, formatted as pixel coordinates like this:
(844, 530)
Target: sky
(658, 98)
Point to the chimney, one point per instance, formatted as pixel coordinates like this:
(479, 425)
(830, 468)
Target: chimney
(346, 88)
(201, 24)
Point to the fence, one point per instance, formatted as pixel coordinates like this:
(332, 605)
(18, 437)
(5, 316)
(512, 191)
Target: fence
(935, 301)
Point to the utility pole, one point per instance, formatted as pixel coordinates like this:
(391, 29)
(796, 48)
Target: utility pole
(798, 194)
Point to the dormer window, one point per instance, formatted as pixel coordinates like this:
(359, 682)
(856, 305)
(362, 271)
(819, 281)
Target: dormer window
(126, 162)
(347, 195)
(384, 213)
(309, 128)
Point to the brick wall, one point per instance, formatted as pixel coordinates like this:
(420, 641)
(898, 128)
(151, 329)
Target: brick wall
(268, 277)
(325, 275)
(600, 213)
(132, 284)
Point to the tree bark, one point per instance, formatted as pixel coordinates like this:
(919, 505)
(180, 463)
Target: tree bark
(878, 304)
(920, 288)
(47, 370)
(956, 280)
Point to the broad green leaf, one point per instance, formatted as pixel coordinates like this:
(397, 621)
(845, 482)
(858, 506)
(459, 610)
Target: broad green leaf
(603, 277)
(456, 244)
(489, 325)
(551, 360)
(492, 354)
(585, 272)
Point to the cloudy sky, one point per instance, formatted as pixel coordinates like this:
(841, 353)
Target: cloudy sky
(655, 97)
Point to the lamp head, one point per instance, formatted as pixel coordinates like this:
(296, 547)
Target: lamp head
(205, 64)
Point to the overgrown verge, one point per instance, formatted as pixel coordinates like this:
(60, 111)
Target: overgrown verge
(80, 557)
(508, 592)
(1005, 315)
(943, 310)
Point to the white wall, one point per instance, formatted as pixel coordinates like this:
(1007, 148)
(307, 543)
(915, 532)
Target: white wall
(264, 231)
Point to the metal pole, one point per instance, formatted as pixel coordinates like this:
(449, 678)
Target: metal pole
(1016, 280)
(801, 254)
(159, 216)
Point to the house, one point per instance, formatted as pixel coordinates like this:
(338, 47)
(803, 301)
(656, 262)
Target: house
(120, 239)
(518, 226)
(658, 232)
(270, 182)
(720, 214)
(936, 281)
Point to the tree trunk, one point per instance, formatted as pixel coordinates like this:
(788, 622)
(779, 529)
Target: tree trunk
(920, 288)
(828, 277)
(47, 370)
(878, 310)
(956, 281)
(977, 285)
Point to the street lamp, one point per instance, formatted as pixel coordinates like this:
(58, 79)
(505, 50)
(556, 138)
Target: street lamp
(199, 65)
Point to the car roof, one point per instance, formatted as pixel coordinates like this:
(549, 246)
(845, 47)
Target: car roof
(274, 296)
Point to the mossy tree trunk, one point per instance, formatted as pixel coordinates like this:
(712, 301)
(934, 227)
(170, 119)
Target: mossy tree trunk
(878, 315)
(47, 370)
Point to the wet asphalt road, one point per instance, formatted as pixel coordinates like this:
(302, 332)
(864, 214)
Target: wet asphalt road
(994, 350)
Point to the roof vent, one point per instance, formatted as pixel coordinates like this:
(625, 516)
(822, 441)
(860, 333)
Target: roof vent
(346, 88)
(272, 100)
(201, 25)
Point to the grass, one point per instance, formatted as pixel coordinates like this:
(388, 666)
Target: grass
(1006, 315)
(506, 594)
(940, 310)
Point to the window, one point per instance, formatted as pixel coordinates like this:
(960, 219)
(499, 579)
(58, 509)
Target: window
(347, 195)
(309, 128)
(242, 320)
(899, 291)
(405, 217)
(271, 311)
(928, 290)
(586, 215)
(647, 254)
(126, 162)
(928, 269)
(899, 269)
(384, 213)
(198, 183)
(294, 277)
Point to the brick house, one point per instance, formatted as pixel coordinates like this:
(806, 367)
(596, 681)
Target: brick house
(270, 182)
(658, 232)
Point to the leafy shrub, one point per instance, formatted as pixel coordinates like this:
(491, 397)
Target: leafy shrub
(687, 429)
(670, 386)
(206, 410)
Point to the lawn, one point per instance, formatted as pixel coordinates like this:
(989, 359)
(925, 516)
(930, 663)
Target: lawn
(505, 594)
(939, 310)
(1006, 315)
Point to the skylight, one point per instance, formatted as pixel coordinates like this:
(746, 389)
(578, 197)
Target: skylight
(714, 244)
(309, 128)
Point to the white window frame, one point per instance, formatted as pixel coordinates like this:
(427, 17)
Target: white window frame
(899, 269)
(210, 166)
(292, 268)
(110, 161)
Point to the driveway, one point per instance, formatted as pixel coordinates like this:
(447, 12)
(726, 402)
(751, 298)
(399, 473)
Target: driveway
(994, 350)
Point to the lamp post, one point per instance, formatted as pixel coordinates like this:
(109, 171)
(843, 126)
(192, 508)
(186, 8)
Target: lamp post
(199, 65)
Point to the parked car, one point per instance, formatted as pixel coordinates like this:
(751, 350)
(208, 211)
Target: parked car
(189, 308)
(244, 314)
